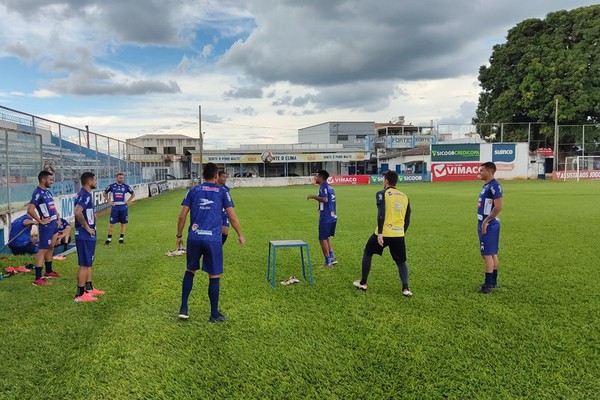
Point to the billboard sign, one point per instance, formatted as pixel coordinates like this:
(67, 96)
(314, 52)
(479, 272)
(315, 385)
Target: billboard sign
(455, 152)
(503, 152)
(455, 172)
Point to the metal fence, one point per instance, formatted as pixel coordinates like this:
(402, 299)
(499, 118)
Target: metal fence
(20, 161)
(67, 152)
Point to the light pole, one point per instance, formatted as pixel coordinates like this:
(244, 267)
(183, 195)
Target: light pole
(200, 133)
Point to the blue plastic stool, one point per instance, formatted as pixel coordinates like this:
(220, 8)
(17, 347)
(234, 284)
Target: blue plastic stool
(274, 245)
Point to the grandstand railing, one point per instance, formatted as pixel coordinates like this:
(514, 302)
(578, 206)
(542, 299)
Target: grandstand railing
(34, 143)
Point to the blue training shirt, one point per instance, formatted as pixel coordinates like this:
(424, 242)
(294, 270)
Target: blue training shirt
(490, 192)
(206, 202)
(63, 225)
(44, 203)
(84, 200)
(327, 211)
(119, 192)
(17, 226)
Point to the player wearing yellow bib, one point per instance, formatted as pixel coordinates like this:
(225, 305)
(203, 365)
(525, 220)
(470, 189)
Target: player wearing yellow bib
(393, 218)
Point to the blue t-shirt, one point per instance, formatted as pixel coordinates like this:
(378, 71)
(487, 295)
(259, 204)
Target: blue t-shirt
(490, 192)
(119, 192)
(17, 226)
(44, 203)
(84, 200)
(63, 225)
(327, 211)
(206, 202)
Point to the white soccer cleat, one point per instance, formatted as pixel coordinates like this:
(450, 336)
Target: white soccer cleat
(359, 286)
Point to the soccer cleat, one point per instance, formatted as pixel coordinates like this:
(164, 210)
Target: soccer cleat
(96, 292)
(121, 241)
(10, 270)
(333, 261)
(59, 258)
(107, 241)
(183, 314)
(290, 281)
(327, 266)
(359, 286)
(41, 282)
(52, 274)
(485, 289)
(406, 292)
(219, 318)
(22, 268)
(84, 298)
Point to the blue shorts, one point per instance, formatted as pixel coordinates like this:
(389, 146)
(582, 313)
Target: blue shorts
(490, 241)
(46, 232)
(85, 252)
(118, 215)
(326, 229)
(225, 219)
(29, 248)
(211, 254)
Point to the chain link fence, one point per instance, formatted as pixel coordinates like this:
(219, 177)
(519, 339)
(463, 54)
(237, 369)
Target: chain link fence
(30, 143)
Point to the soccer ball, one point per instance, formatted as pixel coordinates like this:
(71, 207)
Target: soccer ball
(266, 157)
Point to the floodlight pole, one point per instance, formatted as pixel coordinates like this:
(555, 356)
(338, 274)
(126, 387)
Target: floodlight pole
(556, 136)
(201, 141)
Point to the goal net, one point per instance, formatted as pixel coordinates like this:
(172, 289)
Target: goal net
(582, 167)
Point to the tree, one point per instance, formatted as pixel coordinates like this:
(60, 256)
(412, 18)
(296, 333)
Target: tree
(544, 60)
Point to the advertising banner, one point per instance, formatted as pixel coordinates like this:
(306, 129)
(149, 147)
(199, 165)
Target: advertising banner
(454, 172)
(348, 180)
(503, 152)
(162, 186)
(153, 189)
(593, 174)
(455, 152)
(378, 179)
(283, 158)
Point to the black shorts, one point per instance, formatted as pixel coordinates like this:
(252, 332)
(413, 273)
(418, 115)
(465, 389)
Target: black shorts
(396, 244)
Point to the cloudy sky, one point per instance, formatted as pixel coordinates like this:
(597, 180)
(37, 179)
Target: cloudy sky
(260, 69)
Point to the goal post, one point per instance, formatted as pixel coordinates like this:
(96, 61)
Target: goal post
(582, 167)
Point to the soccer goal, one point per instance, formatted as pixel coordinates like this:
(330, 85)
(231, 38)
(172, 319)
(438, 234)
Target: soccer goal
(582, 167)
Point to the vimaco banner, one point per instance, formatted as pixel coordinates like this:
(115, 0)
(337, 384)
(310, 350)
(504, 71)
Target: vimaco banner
(455, 152)
(586, 175)
(455, 172)
(348, 180)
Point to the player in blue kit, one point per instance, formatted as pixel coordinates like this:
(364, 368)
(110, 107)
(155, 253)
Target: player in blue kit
(64, 233)
(488, 224)
(327, 216)
(20, 236)
(205, 203)
(118, 203)
(43, 210)
(85, 238)
(221, 181)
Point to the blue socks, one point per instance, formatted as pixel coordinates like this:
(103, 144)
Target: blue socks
(495, 277)
(214, 287)
(331, 255)
(489, 278)
(186, 289)
(48, 266)
(38, 273)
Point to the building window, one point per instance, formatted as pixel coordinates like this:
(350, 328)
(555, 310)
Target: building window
(343, 138)
(361, 136)
(169, 150)
(149, 150)
(186, 150)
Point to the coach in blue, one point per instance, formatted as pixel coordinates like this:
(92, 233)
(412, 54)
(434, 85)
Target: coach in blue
(19, 237)
(43, 210)
(118, 203)
(205, 204)
(488, 224)
(327, 216)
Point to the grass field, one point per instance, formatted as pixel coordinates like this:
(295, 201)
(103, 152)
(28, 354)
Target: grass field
(537, 336)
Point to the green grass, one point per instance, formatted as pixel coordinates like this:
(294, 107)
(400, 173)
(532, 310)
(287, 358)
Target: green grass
(537, 336)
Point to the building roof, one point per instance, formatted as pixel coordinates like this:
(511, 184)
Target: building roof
(164, 136)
